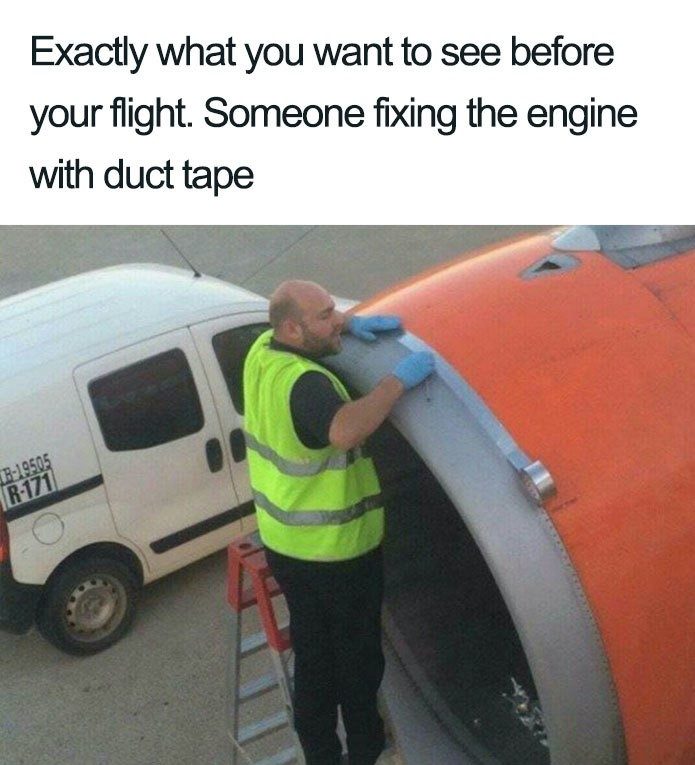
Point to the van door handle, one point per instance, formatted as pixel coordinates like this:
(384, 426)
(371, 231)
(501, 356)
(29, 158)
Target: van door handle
(237, 445)
(213, 451)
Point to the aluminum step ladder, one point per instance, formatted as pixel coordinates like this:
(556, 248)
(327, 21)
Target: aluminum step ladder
(250, 584)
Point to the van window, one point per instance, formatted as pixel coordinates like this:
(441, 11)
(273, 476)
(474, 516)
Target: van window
(231, 348)
(148, 403)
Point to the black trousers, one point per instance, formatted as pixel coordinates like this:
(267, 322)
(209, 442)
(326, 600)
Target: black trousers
(335, 626)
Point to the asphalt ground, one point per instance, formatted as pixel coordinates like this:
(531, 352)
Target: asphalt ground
(157, 697)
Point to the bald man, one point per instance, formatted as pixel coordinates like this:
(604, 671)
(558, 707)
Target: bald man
(320, 512)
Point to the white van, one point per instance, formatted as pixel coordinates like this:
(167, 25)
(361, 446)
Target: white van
(121, 451)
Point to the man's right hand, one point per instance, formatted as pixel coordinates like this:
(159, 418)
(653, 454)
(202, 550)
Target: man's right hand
(357, 420)
(413, 369)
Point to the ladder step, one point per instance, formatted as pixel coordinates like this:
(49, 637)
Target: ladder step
(285, 757)
(263, 728)
(254, 643)
(255, 688)
(248, 594)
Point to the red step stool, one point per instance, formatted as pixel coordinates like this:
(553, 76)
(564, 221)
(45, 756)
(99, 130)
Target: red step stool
(251, 584)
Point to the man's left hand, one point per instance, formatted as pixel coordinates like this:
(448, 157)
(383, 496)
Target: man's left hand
(364, 327)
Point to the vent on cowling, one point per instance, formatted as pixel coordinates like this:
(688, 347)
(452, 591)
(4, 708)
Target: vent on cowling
(556, 263)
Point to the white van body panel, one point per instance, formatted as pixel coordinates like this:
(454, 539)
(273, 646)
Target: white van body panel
(47, 429)
(53, 341)
(81, 521)
(158, 491)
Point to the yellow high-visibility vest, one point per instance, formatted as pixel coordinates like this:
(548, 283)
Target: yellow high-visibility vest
(312, 504)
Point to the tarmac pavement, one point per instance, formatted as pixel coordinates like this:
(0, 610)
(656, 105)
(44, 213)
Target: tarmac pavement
(157, 697)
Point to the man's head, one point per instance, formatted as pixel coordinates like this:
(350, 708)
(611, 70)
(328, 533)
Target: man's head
(303, 316)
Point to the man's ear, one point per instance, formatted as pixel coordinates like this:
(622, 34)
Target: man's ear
(292, 330)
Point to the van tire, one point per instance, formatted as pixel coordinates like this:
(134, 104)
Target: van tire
(88, 606)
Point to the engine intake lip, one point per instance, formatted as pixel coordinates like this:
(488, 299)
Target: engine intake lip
(476, 463)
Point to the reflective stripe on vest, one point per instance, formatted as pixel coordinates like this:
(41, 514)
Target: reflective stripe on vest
(318, 517)
(335, 462)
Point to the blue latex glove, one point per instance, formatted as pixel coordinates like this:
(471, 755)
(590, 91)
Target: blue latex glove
(413, 369)
(364, 327)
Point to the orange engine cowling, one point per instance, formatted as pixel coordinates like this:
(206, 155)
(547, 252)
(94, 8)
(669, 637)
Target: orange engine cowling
(582, 344)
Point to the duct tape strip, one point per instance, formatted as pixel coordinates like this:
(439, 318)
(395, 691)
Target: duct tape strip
(474, 403)
(530, 470)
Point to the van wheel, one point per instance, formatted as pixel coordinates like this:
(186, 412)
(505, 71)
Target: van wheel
(88, 606)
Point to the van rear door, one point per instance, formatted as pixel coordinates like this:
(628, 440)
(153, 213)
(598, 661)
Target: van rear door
(160, 445)
(223, 344)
